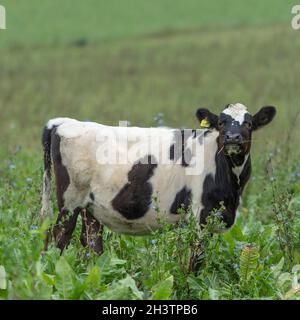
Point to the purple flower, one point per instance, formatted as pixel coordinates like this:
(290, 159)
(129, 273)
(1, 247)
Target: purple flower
(92, 244)
(219, 214)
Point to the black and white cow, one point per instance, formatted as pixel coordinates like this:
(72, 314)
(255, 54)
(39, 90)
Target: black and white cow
(112, 177)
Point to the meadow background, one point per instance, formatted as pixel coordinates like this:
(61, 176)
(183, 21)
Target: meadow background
(152, 63)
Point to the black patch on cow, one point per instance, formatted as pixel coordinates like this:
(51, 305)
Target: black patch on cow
(221, 188)
(178, 150)
(248, 117)
(207, 132)
(64, 227)
(135, 197)
(61, 172)
(203, 113)
(46, 142)
(236, 160)
(182, 200)
(172, 152)
(92, 196)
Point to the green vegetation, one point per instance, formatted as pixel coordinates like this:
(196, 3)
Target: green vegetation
(107, 62)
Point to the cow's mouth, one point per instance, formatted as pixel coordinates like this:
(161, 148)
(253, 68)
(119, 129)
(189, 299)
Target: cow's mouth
(232, 149)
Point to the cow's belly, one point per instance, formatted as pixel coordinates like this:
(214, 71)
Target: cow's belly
(150, 222)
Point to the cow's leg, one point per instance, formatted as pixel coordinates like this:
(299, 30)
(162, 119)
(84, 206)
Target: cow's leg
(64, 227)
(66, 221)
(92, 231)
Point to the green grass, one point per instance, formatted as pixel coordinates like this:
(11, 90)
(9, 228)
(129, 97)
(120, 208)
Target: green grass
(114, 63)
(51, 22)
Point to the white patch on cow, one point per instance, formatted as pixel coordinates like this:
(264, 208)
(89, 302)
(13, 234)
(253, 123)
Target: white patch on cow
(237, 112)
(238, 170)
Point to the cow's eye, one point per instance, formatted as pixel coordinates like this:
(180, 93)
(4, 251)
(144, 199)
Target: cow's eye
(248, 125)
(221, 124)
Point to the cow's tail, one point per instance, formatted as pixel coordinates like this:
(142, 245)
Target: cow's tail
(47, 210)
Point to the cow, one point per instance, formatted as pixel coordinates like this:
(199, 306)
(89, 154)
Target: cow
(110, 176)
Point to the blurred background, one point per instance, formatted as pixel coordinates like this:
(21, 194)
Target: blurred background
(135, 59)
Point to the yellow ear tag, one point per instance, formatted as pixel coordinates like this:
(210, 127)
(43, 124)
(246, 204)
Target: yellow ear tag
(204, 123)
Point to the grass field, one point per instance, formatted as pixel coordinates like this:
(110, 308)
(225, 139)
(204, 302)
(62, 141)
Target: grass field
(130, 60)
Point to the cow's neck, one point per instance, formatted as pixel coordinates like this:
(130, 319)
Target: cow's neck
(225, 187)
(238, 170)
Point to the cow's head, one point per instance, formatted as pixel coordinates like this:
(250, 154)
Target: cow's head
(235, 125)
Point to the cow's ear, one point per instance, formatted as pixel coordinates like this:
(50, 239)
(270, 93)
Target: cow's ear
(208, 117)
(263, 117)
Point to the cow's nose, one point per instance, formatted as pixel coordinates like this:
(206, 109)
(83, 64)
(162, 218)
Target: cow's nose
(233, 137)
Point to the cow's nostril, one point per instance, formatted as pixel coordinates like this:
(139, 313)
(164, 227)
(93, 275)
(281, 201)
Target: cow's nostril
(237, 137)
(233, 138)
(229, 137)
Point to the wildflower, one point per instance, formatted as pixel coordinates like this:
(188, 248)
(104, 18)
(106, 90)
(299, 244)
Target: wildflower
(34, 227)
(219, 214)
(88, 255)
(92, 244)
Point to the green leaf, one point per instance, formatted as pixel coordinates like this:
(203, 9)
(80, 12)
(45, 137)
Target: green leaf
(122, 290)
(248, 261)
(107, 262)
(296, 268)
(284, 279)
(292, 293)
(65, 278)
(213, 294)
(276, 269)
(49, 279)
(163, 290)
(93, 279)
(3, 283)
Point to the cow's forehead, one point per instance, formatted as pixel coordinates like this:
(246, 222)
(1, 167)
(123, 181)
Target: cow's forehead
(237, 112)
